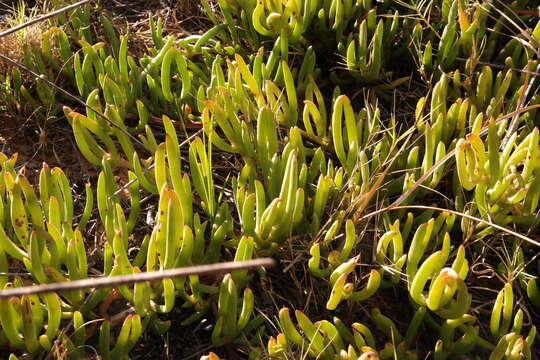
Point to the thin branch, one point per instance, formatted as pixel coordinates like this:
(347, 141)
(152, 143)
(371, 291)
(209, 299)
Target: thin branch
(504, 67)
(114, 281)
(454, 212)
(42, 18)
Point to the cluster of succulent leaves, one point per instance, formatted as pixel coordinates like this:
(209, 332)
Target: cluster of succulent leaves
(315, 165)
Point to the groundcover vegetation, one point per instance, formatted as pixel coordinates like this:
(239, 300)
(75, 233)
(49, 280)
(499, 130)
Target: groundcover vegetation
(385, 153)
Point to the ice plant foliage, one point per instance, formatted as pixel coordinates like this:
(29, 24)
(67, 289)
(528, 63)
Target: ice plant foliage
(288, 128)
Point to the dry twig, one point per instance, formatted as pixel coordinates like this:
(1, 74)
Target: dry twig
(114, 281)
(42, 18)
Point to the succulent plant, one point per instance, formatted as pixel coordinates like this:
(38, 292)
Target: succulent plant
(358, 134)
